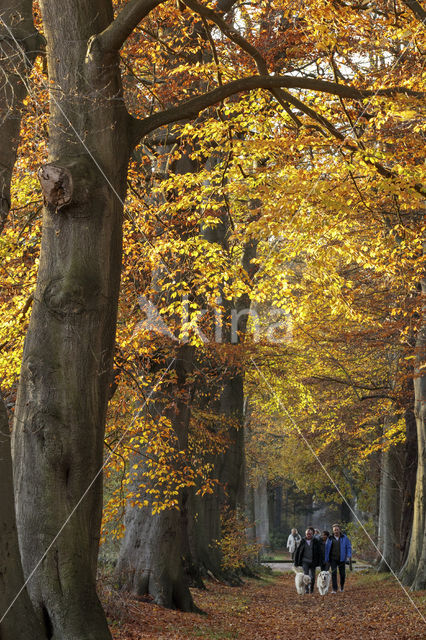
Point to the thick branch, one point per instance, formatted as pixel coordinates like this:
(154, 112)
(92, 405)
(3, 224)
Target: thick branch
(191, 108)
(229, 31)
(349, 383)
(417, 9)
(115, 35)
(281, 96)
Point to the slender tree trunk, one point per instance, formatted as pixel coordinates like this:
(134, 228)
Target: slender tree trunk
(390, 509)
(409, 479)
(413, 572)
(261, 513)
(66, 369)
(278, 505)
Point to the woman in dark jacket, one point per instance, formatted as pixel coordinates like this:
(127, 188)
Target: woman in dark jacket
(309, 556)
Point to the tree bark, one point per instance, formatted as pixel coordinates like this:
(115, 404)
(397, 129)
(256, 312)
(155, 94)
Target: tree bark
(413, 572)
(409, 486)
(278, 505)
(150, 560)
(19, 622)
(390, 509)
(261, 513)
(66, 368)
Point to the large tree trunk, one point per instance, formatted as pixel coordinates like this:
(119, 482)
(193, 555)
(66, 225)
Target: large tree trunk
(413, 572)
(150, 560)
(66, 369)
(17, 617)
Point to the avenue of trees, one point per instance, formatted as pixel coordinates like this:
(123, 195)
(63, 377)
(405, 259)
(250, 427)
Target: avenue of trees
(212, 268)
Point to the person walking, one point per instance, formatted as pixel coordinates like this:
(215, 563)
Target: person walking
(338, 549)
(308, 556)
(293, 542)
(324, 537)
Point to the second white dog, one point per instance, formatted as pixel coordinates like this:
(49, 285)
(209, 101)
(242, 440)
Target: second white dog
(323, 582)
(301, 581)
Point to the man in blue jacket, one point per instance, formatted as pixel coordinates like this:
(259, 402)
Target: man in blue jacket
(337, 550)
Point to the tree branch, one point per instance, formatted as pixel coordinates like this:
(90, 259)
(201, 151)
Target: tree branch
(114, 36)
(191, 108)
(281, 96)
(285, 98)
(417, 9)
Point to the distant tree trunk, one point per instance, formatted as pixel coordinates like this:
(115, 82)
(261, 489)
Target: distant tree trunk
(20, 623)
(413, 572)
(66, 370)
(278, 506)
(390, 509)
(345, 512)
(150, 560)
(205, 519)
(261, 513)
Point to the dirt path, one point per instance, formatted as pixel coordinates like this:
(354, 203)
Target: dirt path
(371, 608)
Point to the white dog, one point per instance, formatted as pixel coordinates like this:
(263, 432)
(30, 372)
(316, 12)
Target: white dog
(323, 582)
(301, 581)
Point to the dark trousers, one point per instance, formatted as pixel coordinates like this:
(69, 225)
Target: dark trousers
(309, 570)
(334, 564)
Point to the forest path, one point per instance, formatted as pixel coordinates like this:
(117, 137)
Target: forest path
(269, 609)
(282, 567)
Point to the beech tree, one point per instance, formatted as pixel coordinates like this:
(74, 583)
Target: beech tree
(67, 362)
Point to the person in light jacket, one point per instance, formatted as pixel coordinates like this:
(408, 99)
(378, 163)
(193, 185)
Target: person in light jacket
(337, 550)
(293, 542)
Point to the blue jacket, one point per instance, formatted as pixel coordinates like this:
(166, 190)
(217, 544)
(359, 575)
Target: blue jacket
(345, 548)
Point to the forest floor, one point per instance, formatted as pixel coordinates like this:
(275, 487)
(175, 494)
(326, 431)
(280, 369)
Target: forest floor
(372, 606)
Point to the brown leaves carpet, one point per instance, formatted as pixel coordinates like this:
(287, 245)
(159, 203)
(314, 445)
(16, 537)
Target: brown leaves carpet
(269, 609)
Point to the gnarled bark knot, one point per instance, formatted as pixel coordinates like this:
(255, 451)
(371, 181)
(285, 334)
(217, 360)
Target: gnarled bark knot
(57, 185)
